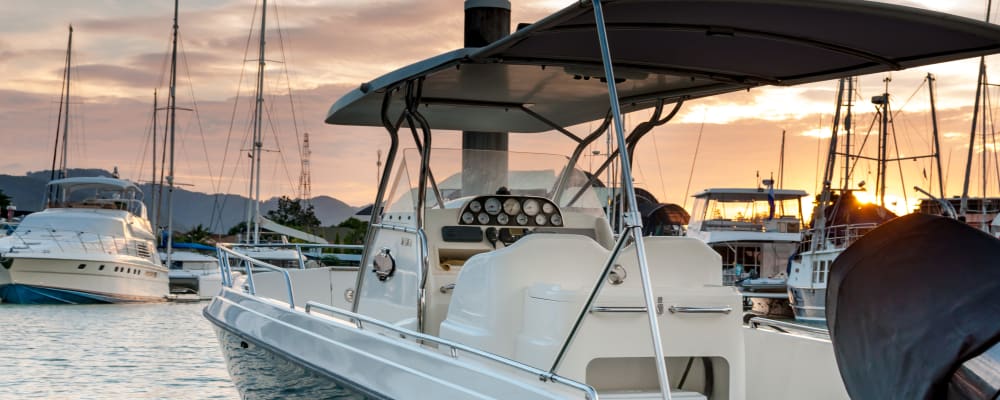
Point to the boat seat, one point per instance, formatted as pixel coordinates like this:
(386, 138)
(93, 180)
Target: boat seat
(486, 309)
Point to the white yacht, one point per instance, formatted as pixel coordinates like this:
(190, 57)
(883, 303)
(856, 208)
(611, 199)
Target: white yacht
(519, 289)
(92, 244)
(754, 238)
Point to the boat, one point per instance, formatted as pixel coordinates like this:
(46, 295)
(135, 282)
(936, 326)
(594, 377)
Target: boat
(519, 288)
(839, 217)
(194, 270)
(755, 230)
(92, 244)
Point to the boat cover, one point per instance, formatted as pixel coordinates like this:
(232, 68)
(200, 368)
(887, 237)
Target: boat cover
(909, 302)
(664, 49)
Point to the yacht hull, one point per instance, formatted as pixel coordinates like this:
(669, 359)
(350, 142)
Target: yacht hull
(37, 280)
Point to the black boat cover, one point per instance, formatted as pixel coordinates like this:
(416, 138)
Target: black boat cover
(909, 302)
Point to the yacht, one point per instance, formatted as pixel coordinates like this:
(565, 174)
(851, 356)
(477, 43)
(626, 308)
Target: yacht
(754, 230)
(516, 288)
(91, 244)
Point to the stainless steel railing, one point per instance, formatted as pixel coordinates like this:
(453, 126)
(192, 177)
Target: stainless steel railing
(228, 251)
(786, 326)
(453, 347)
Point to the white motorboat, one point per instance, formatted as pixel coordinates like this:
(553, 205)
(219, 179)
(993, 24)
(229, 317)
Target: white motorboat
(194, 271)
(519, 289)
(754, 230)
(92, 244)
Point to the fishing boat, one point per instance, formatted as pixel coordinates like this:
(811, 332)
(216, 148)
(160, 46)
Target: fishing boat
(840, 218)
(92, 244)
(519, 288)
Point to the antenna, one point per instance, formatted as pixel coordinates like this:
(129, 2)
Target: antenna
(305, 179)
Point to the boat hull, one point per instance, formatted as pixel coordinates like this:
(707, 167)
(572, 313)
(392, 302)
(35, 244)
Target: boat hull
(259, 372)
(37, 280)
(808, 304)
(334, 356)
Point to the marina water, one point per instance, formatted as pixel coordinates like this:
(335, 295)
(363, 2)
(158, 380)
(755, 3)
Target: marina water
(133, 351)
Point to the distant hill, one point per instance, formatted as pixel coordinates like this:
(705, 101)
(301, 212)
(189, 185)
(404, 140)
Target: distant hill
(191, 208)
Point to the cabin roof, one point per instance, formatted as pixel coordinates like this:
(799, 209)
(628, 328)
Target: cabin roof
(664, 49)
(95, 181)
(749, 194)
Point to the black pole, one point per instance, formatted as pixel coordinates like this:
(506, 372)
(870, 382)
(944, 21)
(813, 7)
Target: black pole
(486, 21)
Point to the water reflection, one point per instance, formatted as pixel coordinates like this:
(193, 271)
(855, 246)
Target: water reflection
(134, 351)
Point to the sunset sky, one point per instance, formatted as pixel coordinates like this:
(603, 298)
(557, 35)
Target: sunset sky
(121, 50)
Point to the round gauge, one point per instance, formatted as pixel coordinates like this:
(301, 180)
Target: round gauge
(468, 218)
(503, 219)
(531, 207)
(492, 205)
(540, 219)
(521, 219)
(475, 206)
(548, 208)
(556, 220)
(483, 218)
(511, 206)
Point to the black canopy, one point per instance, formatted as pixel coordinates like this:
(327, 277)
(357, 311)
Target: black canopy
(909, 302)
(665, 49)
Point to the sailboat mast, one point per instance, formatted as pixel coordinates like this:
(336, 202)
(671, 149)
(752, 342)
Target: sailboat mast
(62, 99)
(65, 138)
(172, 114)
(848, 121)
(819, 214)
(883, 146)
(155, 200)
(980, 81)
(258, 121)
(937, 142)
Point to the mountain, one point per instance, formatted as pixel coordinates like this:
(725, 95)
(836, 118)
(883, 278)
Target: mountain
(190, 208)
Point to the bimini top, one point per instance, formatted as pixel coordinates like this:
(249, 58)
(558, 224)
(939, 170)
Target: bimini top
(664, 49)
(95, 181)
(749, 194)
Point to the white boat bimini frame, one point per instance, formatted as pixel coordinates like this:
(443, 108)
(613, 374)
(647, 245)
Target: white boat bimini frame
(484, 295)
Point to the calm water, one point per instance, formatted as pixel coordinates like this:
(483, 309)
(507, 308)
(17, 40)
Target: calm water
(140, 351)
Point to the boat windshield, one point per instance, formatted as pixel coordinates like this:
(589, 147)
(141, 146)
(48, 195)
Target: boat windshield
(97, 195)
(463, 174)
(752, 213)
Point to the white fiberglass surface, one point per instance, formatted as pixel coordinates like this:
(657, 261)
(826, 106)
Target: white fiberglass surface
(78, 223)
(525, 174)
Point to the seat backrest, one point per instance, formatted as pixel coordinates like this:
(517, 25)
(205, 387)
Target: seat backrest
(486, 309)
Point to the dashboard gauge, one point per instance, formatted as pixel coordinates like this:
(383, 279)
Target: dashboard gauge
(483, 218)
(468, 218)
(512, 207)
(475, 206)
(540, 219)
(548, 208)
(531, 207)
(556, 220)
(522, 219)
(492, 206)
(503, 219)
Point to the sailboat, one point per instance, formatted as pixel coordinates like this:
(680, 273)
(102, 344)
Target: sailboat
(520, 289)
(277, 253)
(93, 243)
